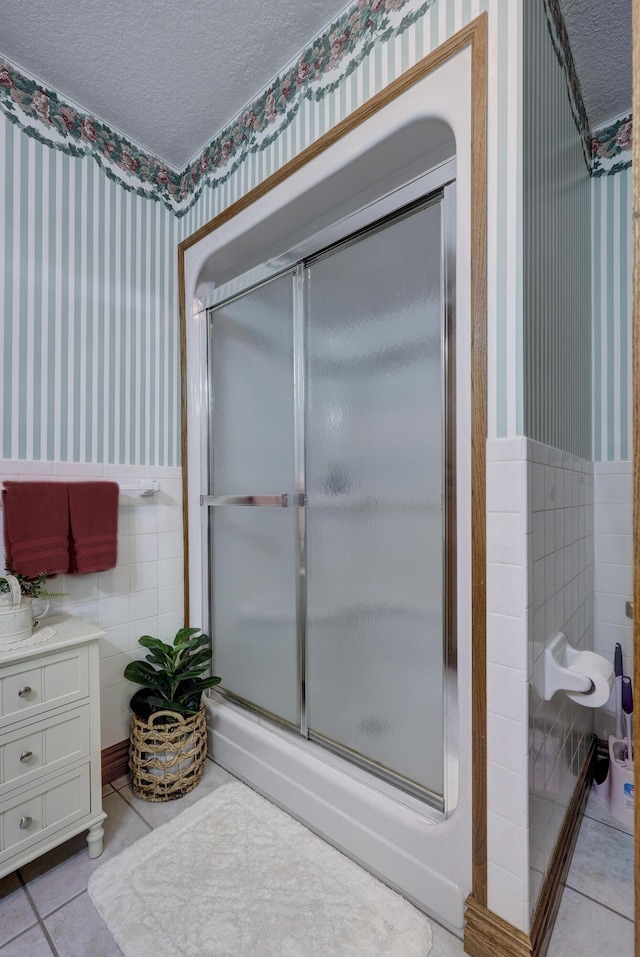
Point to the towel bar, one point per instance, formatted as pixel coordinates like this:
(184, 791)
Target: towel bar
(145, 488)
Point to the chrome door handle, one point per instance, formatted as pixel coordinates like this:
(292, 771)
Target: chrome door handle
(24, 692)
(289, 501)
(25, 822)
(26, 755)
(272, 501)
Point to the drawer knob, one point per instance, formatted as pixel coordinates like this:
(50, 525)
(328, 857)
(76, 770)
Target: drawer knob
(24, 692)
(25, 822)
(26, 755)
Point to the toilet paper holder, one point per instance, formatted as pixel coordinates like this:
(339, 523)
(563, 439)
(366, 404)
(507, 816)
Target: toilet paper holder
(558, 657)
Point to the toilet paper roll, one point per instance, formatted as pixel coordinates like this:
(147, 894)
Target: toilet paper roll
(601, 673)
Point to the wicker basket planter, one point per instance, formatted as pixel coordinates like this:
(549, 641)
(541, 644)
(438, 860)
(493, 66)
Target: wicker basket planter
(166, 754)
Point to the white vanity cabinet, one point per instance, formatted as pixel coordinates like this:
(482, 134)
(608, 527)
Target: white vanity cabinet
(50, 772)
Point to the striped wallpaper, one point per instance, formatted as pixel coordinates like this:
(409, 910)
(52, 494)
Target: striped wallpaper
(89, 346)
(557, 253)
(612, 287)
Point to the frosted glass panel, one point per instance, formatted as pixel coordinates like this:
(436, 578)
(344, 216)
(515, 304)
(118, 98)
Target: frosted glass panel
(374, 487)
(251, 392)
(254, 607)
(253, 549)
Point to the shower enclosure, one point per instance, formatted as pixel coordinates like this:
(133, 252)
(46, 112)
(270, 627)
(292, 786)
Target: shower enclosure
(331, 498)
(335, 482)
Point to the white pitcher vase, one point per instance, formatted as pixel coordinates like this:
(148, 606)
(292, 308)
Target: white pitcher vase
(16, 613)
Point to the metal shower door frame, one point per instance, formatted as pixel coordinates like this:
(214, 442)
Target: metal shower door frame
(445, 803)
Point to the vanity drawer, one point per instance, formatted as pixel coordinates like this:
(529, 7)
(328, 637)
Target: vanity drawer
(28, 688)
(42, 747)
(37, 814)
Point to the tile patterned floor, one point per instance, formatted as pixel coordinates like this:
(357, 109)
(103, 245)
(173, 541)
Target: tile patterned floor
(45, 909)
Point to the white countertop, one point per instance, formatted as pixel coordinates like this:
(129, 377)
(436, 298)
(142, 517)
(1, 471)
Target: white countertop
(69, 631)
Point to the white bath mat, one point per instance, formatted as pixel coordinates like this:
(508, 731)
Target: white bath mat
(234, 876)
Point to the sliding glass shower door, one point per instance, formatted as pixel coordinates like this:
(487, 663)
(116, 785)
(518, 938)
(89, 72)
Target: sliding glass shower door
(329, 507)
(253, 539)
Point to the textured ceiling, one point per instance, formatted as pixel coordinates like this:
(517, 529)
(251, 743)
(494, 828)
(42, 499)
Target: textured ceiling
(600, 35)
(168, 75)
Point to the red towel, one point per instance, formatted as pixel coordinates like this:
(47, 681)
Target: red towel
(36, 527)
(93, 516)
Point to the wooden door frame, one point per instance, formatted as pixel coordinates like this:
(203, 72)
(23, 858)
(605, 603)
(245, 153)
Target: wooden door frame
(636, 446)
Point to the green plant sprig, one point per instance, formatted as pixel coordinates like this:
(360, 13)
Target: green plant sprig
(30, 587)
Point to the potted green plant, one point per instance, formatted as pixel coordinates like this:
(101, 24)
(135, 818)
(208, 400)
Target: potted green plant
(168, 742)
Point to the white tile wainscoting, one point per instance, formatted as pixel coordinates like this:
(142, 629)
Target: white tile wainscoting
(143, 594)
(539, 581)
(508, 522)
(561, 598)
(613, 571)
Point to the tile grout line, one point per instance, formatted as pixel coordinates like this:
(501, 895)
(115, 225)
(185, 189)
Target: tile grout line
(600, 903)
(133, 808)
(606, 824)
(19, 934)
(39, 919)
(60, 906)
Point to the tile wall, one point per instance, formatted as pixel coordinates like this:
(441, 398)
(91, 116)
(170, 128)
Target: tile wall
(613, 495)
(540, 580)
(143, 594)
(560, 547)
(508, 525)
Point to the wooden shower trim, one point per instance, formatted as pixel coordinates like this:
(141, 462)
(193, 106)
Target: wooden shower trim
(473, 36)
(636, 446)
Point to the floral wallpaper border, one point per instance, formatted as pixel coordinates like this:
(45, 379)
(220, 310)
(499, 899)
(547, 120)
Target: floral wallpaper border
(43, 115)
(611, 147)
(333, 55)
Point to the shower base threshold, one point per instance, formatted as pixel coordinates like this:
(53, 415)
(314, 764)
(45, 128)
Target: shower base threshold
(409, 846)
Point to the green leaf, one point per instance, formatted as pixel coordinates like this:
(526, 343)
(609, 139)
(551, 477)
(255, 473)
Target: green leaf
(173, 705)
(189, 675)
(198, 654)
(200, 659)
(142, 673)
(161, 660)
(198, 685)
(184, 633)
(191, 645)
(181, 674)
(209, 682)
(179, 651)
(148, 642)
(165, 705)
